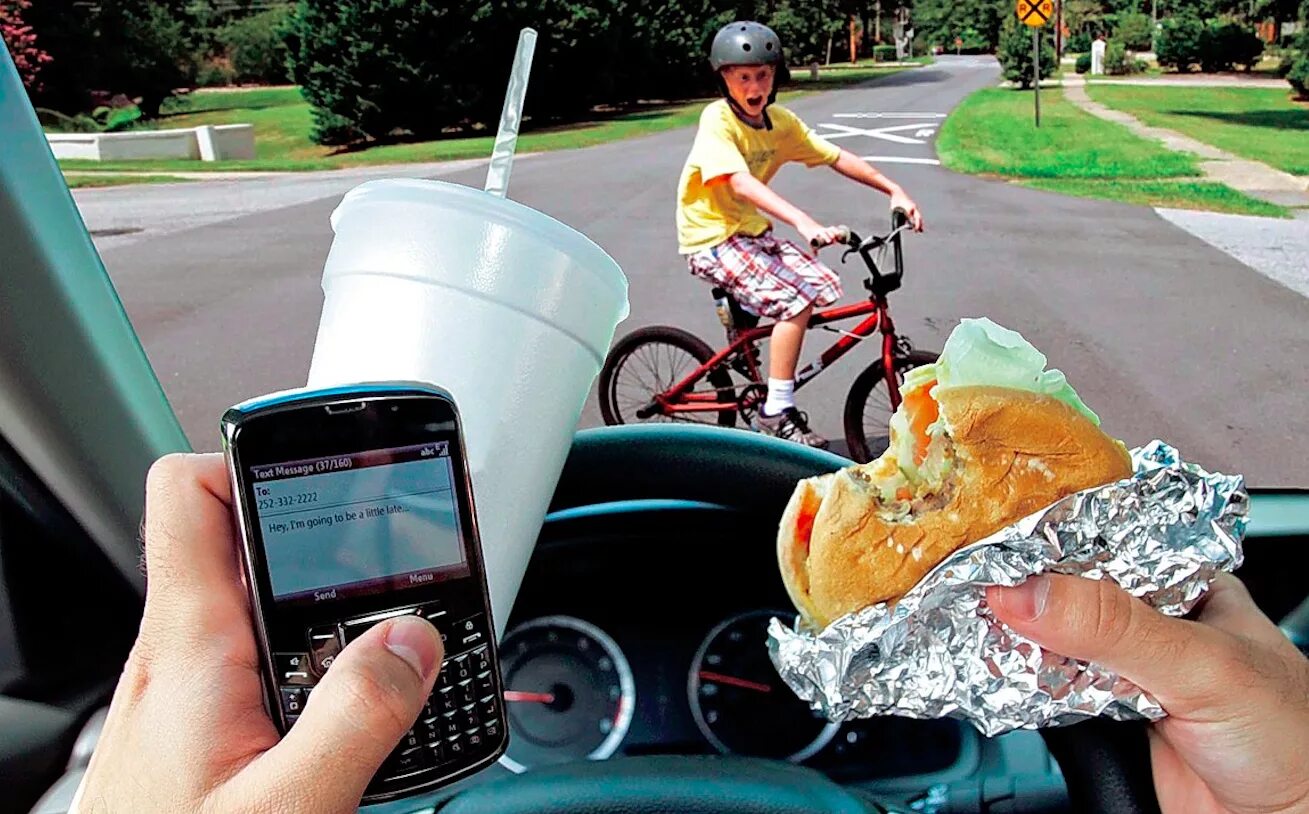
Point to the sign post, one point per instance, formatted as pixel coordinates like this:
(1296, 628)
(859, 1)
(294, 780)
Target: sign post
(1034, 14)
(1036, 71)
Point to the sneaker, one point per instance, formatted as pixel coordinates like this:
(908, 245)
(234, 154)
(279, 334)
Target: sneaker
(789, 425)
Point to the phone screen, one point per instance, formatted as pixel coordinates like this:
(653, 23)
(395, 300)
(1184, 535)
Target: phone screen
(345, 526)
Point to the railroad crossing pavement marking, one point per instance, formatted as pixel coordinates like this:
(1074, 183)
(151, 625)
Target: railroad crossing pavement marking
(922, 132)
(882, 115)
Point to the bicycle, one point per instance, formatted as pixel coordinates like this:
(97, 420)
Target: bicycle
(665, 391)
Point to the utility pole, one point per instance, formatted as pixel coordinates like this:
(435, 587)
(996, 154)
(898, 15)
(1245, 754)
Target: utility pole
(1059, 31)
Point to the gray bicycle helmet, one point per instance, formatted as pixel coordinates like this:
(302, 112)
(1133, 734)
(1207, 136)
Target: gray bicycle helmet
(745, 43)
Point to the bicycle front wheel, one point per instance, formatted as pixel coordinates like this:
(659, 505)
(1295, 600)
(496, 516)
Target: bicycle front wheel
(648, 362)
(868, 406)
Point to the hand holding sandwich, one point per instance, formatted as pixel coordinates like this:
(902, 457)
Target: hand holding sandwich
(985, 437)
(1236, 689)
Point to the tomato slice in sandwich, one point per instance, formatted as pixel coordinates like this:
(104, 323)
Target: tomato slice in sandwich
(922, 411)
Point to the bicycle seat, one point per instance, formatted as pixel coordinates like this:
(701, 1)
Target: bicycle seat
(741, 318)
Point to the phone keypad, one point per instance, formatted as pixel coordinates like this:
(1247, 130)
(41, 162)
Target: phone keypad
(462, 721)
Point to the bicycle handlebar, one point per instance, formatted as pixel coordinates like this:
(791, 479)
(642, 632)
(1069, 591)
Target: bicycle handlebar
(848, 237)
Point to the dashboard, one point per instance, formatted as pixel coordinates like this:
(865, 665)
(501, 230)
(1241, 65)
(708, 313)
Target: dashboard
(643, 632)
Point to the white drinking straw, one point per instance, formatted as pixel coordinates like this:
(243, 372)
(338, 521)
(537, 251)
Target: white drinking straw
(506, 139)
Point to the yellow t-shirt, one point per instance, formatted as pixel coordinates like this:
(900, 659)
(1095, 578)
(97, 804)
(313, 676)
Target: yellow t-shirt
(708, 214)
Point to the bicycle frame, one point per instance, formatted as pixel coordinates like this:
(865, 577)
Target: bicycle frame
(878, 318)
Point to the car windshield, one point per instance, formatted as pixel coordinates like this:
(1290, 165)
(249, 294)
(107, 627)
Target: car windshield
(1141, 216)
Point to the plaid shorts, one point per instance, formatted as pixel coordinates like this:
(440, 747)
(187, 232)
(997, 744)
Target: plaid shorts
(768, 277)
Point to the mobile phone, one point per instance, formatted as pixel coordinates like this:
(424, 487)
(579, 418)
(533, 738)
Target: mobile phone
(354, 507)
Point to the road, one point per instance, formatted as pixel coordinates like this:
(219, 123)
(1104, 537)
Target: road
(1163, 335)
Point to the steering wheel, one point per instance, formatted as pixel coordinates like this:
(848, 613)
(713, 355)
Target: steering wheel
(1105, 764)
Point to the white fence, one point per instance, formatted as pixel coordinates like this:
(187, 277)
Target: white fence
(206, 143)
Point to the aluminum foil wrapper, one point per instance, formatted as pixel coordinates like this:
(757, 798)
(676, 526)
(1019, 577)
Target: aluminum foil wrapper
(1162, 534)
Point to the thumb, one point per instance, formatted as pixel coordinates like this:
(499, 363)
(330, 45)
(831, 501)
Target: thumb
(357, 714)
(1179, 662)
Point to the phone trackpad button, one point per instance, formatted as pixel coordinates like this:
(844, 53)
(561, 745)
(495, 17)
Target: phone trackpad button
(324, 645)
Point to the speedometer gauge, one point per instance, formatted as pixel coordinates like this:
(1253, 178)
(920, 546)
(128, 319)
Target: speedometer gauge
(568, 691)
(741, 704)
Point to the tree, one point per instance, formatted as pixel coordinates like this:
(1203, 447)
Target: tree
(1298, 76)
(21, 39)
(381, 69)
(145, 52)
(133, 47)
(256, 46)
(1134, 31)
(977, 22)
(1179, 42)
(1015, 53)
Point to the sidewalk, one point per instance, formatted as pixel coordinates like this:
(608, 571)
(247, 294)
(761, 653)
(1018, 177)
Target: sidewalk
(1254, 178)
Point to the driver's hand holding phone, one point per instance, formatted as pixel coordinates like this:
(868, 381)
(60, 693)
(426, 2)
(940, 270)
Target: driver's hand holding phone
(310, 681)
(189, 730)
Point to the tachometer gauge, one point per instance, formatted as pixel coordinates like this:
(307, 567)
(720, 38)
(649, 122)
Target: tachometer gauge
(569, 693)
(741, 704)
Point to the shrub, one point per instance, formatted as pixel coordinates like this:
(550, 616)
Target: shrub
(22, 41)
(1284, 67)
(1083, 63)
(1116, 60)
(883, 53)
(1225, 45)
(1078, 42)
(256, 46)
(1298, 76)
(214, 72)
(1179, 42)
(1134, 30)
(103, 119)
(1016, 53)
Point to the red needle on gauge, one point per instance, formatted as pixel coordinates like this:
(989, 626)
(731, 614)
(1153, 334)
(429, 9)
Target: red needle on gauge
(529, 697)
(743, 683)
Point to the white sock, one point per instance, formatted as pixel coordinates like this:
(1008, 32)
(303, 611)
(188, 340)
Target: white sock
(781, 395)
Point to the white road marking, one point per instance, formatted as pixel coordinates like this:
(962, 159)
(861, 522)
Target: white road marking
(883, 115)
(926, 132)
(884, 133)
(900, 159)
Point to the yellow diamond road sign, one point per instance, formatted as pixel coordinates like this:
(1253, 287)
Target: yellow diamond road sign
(1035, 13)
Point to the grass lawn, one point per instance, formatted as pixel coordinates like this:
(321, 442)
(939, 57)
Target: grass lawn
(282, 122)
(1259, 123)
(992, 133)
(1171, 193)
(108, 179)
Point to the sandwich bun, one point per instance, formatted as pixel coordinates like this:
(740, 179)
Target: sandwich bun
(964, 462)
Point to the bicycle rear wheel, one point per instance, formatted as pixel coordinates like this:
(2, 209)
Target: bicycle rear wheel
(868, 406)
(649, 361)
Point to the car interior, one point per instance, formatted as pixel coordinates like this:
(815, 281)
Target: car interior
(655, 562)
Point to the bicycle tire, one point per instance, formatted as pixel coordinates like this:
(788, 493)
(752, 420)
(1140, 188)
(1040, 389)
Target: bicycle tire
(680, 341)
(865, 384)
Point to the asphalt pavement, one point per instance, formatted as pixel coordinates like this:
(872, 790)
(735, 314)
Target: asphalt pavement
(1163, 334)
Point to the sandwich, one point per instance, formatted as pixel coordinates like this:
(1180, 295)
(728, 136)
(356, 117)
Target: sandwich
(982, 438)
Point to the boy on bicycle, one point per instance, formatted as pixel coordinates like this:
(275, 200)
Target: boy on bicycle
(743, 140)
